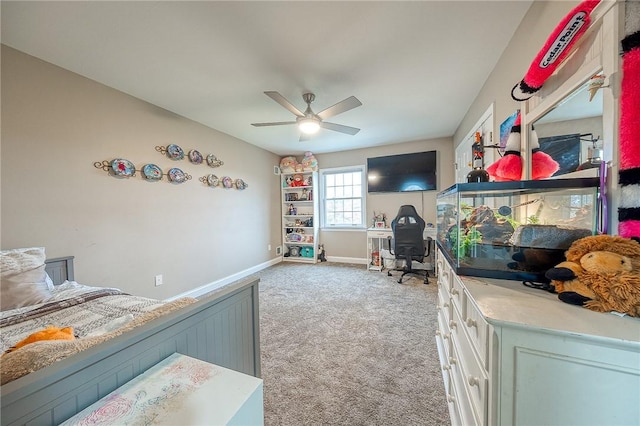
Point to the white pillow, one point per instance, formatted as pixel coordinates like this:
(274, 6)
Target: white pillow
(22, 278)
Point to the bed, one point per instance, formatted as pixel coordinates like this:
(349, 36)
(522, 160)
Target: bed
(222, 329)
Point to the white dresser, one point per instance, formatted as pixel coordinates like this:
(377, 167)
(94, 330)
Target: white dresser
(511, 355)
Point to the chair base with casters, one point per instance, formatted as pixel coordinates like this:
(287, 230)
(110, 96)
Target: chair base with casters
(407, 269)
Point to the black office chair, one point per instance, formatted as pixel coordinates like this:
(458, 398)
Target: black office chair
(409, 244)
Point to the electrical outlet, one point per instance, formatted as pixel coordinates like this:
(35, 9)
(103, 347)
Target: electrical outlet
(279, 250)
(158, 280)
(269, 247)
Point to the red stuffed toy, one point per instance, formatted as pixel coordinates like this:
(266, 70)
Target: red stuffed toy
(509, 167)
(298, 180)
(629, 171)
(555, 50)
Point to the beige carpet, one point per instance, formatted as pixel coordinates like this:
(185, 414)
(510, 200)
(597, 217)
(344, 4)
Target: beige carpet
(345, 346)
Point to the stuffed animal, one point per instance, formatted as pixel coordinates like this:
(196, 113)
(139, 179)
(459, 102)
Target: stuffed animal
(601, 273)
(49, 333)
(309, 162)
(321, 254)
(298, 180)
(288, 164)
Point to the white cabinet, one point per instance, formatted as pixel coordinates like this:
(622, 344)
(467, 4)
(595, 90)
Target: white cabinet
(511, 355)
(300, 220)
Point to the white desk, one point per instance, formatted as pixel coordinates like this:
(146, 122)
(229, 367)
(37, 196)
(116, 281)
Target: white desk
(377, 240)
(180, 390)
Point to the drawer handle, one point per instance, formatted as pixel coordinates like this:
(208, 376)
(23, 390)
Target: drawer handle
(452, 360)
(438, 333)
(454, 291)
(446, 367)
(471, 323)
(446, 336)
(473, 381)
(450, 398)
(453, 324)
(446, 305)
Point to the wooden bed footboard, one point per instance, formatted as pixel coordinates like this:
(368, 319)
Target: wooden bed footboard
(221, 329)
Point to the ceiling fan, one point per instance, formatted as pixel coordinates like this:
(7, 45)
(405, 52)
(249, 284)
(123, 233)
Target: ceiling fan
(309, 122)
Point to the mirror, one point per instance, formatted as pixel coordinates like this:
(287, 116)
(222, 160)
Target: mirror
(571, 133)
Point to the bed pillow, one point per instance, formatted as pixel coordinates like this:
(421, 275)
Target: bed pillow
(23, 278)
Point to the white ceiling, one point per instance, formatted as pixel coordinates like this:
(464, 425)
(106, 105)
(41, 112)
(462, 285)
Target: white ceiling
(416, 66)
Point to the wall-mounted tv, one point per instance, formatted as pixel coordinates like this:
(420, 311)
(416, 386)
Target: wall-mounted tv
(402, 173)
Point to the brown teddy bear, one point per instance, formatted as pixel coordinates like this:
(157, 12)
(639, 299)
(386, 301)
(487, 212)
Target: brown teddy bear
(601, 273)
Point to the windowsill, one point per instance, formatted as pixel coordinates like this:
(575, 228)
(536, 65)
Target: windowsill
(332, 229)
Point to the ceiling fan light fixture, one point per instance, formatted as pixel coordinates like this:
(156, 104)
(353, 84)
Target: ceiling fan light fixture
(308, 126)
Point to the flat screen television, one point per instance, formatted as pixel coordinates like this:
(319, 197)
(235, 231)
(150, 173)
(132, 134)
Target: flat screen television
(402, 173)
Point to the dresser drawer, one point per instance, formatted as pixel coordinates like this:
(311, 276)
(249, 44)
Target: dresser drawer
(380, 234)
(457, 294)
(474, 378)
(444, 304)
(444, 332)
(478, 330)
(444, 274)
(459, 393)
(443, 354)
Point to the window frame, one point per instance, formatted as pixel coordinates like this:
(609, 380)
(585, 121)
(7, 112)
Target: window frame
(363, 198)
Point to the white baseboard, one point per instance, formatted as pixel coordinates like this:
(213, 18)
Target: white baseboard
(356, 260)
(227, 280)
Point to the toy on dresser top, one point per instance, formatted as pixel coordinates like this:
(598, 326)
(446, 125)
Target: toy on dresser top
(601, 273)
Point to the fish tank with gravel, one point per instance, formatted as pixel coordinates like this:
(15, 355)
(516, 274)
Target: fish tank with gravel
(514, 230)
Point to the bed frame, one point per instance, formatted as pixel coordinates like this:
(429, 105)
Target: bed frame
(221, 329)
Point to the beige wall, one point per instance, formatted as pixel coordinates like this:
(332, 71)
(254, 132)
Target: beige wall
(538, 23)
(351, 244)
(56, 124)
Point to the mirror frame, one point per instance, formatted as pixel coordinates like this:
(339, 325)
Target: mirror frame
(596, 52)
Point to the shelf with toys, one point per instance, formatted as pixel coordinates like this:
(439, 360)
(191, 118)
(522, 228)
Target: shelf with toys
(300, 218)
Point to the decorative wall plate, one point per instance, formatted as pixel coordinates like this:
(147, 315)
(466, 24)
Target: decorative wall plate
(175, 152)
(240, 184)
(177, 176)
(152, 172)
(123, 168)
(195, 157)
(227, 182)
(212, 161)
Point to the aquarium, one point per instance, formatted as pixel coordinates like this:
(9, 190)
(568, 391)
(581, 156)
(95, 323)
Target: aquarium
(514, 230)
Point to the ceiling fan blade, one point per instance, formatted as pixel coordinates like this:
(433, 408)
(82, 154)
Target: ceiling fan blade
(339, 128)
(277, 123)
(342, 106)
(285, 103)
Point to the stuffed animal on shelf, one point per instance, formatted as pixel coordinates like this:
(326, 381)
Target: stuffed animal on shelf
(309, 162)
(49, 333)
(288, 164)
(601, 273)
(298, 180)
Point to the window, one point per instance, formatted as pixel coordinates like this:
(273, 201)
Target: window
(342, 192)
